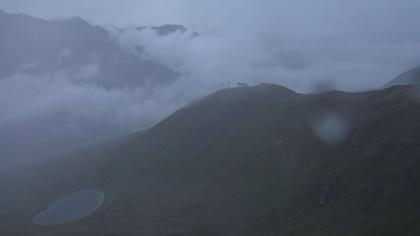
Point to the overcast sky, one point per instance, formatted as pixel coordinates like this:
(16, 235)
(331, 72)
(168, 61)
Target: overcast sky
(371, 19)
(355, 45)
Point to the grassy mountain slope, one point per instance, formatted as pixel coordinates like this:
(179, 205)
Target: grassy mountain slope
(243, 161)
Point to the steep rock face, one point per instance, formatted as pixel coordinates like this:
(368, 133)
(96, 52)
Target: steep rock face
(244, 161)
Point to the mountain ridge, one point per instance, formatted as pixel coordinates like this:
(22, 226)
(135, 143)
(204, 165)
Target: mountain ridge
(45, 46)
(247, 161)
(410, 77)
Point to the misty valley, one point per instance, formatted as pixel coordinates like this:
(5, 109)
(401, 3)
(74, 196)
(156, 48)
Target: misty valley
(209, 118)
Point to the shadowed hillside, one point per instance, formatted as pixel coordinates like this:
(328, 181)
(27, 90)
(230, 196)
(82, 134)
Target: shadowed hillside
(261, 160)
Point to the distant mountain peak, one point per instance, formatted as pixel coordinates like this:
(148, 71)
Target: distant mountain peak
(410, 77)
(167, 29)
(25, 40)
(164, 30)
(78, 20)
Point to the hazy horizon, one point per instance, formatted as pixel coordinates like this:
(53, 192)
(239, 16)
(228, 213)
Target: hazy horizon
(351, 46)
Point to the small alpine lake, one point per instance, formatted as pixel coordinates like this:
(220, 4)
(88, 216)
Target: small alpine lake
(71, 207)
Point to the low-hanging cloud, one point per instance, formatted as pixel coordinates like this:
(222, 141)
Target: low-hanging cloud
(43, 115)
(298, 63)
(355, 45)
